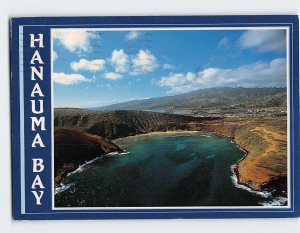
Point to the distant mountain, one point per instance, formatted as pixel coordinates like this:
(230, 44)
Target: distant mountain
(208, 98)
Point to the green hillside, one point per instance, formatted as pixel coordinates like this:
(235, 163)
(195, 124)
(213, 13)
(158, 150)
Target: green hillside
(207, 98)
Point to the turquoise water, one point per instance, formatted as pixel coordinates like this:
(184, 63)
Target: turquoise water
(161, 170)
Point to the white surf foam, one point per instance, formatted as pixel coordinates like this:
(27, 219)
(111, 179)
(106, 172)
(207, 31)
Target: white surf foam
(236, 184)
(205, 135)
(81, 167)
(117, 153)
(278, 201)
(63, 187)
(238, 146)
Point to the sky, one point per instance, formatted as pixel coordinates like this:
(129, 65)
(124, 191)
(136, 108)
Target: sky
(93, 68)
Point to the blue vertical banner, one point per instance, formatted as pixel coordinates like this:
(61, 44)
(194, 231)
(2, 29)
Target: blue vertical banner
(37, 119)
(34, 79)
(85, 136)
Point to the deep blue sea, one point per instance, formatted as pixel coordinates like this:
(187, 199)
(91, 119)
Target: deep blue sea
(167, 169)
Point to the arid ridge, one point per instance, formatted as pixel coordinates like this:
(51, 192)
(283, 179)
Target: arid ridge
(264, 167)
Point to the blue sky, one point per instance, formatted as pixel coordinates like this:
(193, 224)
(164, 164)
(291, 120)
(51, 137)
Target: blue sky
(98, 68)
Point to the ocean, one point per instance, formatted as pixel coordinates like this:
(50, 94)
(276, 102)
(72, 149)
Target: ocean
(163, 170)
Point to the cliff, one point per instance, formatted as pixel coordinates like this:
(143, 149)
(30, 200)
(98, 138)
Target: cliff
(265, 165)
(73, 148)
(120, 123)
(265, 139)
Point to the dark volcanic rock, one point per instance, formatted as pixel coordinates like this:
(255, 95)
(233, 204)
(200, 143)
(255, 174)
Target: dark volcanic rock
(120, 123)
(264, 167)
(82, 135)
(73, 148)
(277, 185)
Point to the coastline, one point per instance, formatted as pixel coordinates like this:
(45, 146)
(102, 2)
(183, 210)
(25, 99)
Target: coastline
(235, 170)
(235, 167)
(156, 133)
(263, 168)
(225, 129)
(176, 132)
(72, 149)
(240, 184)
(62, 187)
(172, 132)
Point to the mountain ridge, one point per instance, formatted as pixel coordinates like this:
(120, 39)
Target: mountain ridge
(208, 98)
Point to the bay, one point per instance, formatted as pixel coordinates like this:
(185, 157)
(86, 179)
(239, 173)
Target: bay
(161, 170)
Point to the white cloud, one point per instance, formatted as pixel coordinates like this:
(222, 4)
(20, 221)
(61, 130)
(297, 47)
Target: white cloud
(263, 40)
(143, 62)
(69, 79)
(74, 39)
(112, 76)
(223, 42)
(259, 74)
(133, 35)
(93, 65)
(168, 66)
(120, 61)
(55, 56)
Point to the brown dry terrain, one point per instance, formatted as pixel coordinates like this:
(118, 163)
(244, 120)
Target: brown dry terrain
(265, 140)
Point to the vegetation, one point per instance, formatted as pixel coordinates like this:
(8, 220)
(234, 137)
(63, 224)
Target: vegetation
(209, 98)
(255, 119)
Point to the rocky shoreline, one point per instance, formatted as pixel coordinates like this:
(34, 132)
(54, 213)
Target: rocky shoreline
(73, 148)
(264, 167)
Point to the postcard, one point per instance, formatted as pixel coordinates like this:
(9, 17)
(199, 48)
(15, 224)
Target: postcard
(155, 117)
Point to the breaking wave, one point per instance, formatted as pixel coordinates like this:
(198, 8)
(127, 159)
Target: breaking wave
(81, 167)
(278, 201)
(206, 135)
(63, 187)
(236, 184)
